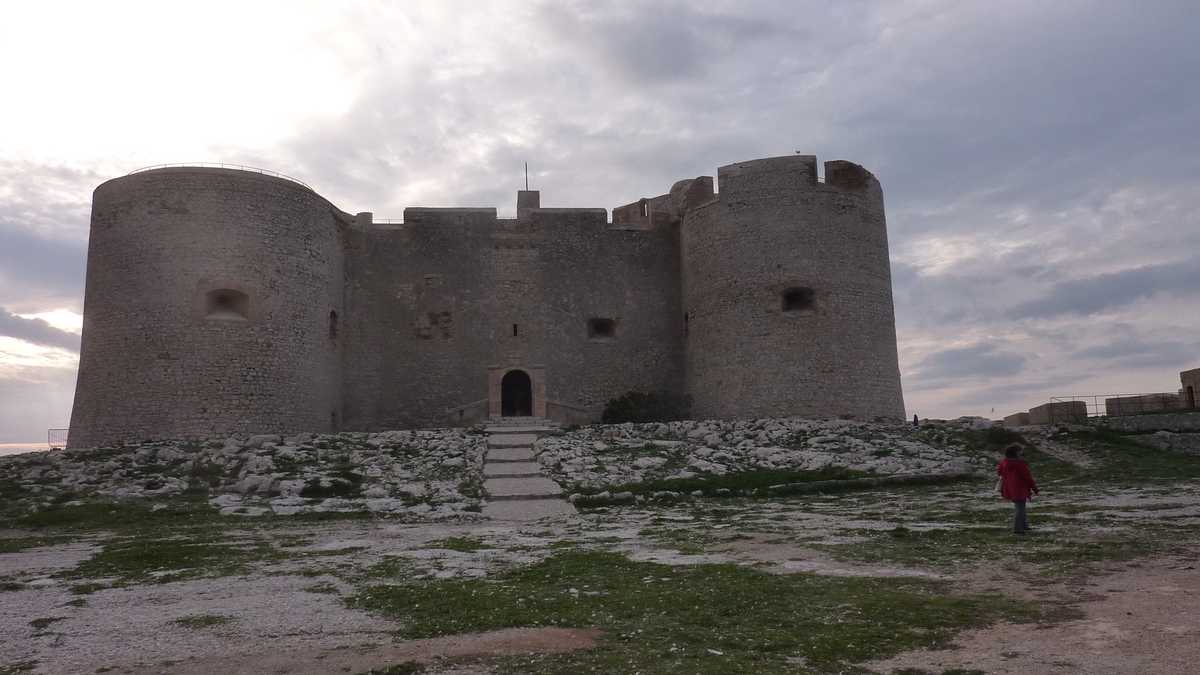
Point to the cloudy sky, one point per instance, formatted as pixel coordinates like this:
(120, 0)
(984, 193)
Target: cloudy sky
(1040, 160)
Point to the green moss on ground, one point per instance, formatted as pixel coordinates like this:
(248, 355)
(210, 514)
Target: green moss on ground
(1067, 551)
(698, 619)
(730, 484)
(143, 560)
(17, 544)
(198, 621)
(460, 544)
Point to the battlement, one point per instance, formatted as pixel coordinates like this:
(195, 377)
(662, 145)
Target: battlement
(792, 172)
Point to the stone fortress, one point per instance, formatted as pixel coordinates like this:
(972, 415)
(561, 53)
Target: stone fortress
(223, 301)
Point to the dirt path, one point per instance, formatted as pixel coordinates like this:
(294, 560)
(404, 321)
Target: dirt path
(513, 641)
(1143, 619)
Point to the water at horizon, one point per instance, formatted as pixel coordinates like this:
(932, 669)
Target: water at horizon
(18, 448)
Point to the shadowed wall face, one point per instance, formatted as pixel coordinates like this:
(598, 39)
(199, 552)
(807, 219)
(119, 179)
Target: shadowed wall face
(206, 309)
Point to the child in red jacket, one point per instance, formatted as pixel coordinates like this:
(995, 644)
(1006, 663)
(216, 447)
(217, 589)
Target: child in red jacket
(1016, 484)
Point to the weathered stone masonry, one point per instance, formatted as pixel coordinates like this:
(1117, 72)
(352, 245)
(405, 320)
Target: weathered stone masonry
(222, 301)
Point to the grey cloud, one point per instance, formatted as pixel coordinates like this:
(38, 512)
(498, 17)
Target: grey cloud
(38, 273)
(982, 360)
(1105, 291)
(1013, 396)
(1136, 352)
(44, 213)
(36, 331)
(34, 400)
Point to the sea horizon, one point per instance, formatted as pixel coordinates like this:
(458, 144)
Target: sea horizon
(19, 448)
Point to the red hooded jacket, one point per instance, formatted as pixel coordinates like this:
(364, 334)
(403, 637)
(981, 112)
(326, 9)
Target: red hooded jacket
(1016, 482)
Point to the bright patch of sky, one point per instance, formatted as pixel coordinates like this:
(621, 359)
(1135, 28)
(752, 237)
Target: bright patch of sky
(62, 319)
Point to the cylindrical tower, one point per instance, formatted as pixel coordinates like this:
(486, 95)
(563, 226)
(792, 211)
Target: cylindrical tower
(787, 294)
(211, 308)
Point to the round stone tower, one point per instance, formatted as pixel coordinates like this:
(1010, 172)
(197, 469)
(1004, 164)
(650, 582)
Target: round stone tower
(787, 294)
(211, 308)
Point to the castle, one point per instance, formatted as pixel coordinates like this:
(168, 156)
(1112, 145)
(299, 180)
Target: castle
(223, 301)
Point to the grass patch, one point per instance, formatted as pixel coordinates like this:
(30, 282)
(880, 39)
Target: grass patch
(87, 589)
(11, 586)
(18, 667)
(683, 540)
(460, 544)
(1124, 460)
(198, 621)
(661, 619)
(140, 560)
(731, 483)
(346, 550)
(407, 668)
(1049, 555)
(343, 481)
(17, 544)
(44, 623)
(323, 587)
(123, 516)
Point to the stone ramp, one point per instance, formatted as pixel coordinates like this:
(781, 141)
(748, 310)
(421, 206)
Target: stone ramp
(524, 487)
(513, 481)
(511, 440)
(509, 455)
(528, 509)
(511, 469)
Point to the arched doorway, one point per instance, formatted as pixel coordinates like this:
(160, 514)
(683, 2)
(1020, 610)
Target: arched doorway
(516, 394)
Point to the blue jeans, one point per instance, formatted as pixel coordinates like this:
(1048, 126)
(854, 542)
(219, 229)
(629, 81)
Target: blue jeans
(1020, 522)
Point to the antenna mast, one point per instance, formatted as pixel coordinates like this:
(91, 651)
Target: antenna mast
(526, 176)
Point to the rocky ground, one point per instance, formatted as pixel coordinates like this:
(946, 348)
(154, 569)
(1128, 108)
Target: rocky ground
(604, 457)
(432, 474)
(870, 580)
(437, 474)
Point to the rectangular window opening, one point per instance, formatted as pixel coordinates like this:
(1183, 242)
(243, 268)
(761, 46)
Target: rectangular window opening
(601, 329)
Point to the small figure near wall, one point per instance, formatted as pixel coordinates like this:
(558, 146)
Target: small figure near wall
(1016, 485)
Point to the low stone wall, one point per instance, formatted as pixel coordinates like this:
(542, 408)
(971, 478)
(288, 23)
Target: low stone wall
(1177, 422)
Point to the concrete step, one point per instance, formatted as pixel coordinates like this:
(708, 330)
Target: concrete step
(511, 469)
(510, 455)
(528, 509)
(512, 441)
(521, 488)
(522, 429)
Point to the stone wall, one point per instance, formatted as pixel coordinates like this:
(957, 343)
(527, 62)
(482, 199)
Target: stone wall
(1059, 411)
(438, 303)
(1177, 422)
(156, 361)
(1190, 388)
(774, 227)
(1142, 403)
(1017, 420)
(771, 298)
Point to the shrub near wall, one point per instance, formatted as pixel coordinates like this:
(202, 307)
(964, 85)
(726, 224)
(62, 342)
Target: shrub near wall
(637, 406)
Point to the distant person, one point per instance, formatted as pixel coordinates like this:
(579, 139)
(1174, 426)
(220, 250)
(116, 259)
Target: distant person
(1016, 485)
(916, 422)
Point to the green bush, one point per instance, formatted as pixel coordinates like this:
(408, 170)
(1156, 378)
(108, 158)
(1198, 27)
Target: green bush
(637, 406)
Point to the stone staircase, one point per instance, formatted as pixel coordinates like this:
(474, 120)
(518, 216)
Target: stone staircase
(513, 480)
